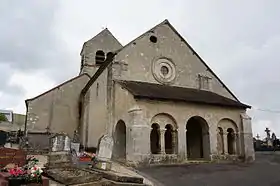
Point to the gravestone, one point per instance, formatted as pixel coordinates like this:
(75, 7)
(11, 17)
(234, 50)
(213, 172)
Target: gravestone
(105, 148)
(59, 155)
(75, 144)
(3, 138)
(12, 156)
(59, 142)
(104, 153)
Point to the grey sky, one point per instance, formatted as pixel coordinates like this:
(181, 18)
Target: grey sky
(238, 39)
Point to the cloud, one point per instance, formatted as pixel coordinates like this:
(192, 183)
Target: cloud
(239, 40)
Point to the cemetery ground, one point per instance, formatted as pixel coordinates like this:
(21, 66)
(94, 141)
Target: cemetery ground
(263, 172)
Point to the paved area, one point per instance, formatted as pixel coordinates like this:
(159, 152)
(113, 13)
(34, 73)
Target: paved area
(264, 172)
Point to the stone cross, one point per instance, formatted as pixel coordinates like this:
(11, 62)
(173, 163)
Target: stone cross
(105, 148)
(267, 133)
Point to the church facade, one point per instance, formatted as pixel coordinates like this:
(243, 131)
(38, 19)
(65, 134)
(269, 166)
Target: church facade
(157, 99)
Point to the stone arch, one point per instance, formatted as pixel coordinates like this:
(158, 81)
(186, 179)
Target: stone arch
(197, 136)
(155, 139)
(230, 136)
(162, 119)
(120, 141)
(168, 132)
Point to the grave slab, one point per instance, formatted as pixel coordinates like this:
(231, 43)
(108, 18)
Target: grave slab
(72, 176)
(12, 156)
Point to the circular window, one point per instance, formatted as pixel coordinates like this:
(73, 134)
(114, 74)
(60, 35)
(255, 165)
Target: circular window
(153, 39)
(164, 70)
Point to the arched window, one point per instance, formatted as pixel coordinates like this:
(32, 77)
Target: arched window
(154, 139)
(168, 139)
(99, 57)
(230, 141)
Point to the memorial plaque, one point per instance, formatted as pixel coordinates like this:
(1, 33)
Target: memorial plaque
(8, 156)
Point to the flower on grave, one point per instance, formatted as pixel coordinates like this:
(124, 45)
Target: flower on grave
(17, 172)
(35, 174)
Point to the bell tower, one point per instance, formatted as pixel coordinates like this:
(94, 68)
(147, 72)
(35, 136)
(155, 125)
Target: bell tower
(94, 51)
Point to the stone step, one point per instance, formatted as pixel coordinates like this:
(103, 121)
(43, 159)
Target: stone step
(119, 177)
(115, 183)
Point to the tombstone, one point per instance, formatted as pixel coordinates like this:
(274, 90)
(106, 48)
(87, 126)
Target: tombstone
(3, 138)
(12, 156)
(59, 155)
(105, 148)
(104, 153)
(75, 145)
(59, 142)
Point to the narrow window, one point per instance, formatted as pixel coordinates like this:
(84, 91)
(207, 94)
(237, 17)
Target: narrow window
(204, 82)
(97, 89)
(99, 57)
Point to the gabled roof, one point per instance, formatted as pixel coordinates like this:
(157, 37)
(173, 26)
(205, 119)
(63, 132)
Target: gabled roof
(103, 32)
(194, 52)
(145, 90)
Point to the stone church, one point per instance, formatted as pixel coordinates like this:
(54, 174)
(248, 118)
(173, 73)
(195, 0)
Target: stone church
(157, 98)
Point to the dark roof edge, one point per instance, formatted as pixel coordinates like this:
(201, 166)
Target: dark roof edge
(122, 84)
(242, 105)
(72, 79)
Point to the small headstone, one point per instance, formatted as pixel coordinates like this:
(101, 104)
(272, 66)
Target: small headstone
(75, 144)
(74, 157)
(104, 153)
(3, 138)
(75, 147)
(105, 148)
(12, 156)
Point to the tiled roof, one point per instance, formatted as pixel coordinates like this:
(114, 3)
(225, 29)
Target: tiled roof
(172, 93)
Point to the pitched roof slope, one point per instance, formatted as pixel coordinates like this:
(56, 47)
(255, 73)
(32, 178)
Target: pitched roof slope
(171, 93)
(105, 31)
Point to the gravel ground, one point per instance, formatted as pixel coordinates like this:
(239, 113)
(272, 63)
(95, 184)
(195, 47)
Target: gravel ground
(265, 171)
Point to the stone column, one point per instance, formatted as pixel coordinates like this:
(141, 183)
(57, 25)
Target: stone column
(225, 143)
(235, 143)
(247, 137)
(162, 141)
(138, 146)
(186, 143)
(174, 141)
(238, 144)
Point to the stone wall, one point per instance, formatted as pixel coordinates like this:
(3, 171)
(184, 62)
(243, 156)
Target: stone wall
(138, 116)
(57, 108)
(141, 58)
(38, 141)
